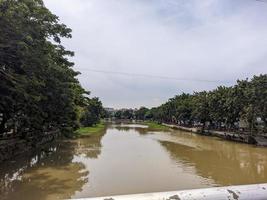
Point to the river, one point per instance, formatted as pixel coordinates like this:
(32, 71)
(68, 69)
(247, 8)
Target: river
(130, 158)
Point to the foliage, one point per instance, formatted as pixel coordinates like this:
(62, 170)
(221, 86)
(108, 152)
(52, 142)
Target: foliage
(126, 114)
(140, 114)
(88, 131)
(93, 112)
(156, 126)
(39, 90)
(223, 107)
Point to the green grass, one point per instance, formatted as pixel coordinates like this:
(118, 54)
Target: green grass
(88, 131)
(155, 126)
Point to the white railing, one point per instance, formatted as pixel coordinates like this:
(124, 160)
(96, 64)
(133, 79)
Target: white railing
(245, 192)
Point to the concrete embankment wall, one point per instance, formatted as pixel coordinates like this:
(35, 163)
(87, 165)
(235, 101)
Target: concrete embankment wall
(244, 138)
(194, 130)
(12, 147)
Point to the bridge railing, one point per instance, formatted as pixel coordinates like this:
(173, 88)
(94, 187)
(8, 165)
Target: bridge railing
(245, 192)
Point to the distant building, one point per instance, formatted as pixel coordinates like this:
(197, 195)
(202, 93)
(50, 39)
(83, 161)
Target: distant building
(111, 110)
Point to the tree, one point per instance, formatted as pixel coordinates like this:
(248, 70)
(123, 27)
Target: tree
(253, 98)
(218, 106)
(93, 112)
(201, 110)
(183, 108)
(141, 113)
(247, 100)
(127, 114)
(39, 88)
(118, 114)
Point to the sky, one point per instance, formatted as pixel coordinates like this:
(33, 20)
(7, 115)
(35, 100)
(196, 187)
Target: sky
(134, 53)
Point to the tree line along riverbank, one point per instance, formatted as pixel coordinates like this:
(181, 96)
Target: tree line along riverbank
(40, 95)
(241, 109)
(259, 140)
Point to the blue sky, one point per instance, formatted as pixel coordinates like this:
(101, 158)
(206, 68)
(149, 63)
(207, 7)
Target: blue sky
(221, 40)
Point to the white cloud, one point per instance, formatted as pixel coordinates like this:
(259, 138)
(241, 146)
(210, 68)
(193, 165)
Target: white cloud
(207, 39)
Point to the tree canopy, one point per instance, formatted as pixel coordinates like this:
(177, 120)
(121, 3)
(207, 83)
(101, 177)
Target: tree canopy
(39, 88)
(93, 112)
(222, 107)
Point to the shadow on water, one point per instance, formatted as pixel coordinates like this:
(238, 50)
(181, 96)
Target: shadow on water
(227, 163)
(50, 173)
(90, 146)
(140, 130)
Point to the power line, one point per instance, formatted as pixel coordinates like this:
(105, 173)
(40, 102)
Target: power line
(154, 76)
(263, 1)
(159, 77)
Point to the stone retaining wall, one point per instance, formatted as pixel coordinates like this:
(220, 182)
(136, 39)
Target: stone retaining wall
(244, 138)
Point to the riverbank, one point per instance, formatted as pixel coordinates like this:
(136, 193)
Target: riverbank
(134, 152)
(236, 137)
(156, 126)
(89, 131)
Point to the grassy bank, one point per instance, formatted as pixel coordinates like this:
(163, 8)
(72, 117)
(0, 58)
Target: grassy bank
(155, 126)
(88, 131)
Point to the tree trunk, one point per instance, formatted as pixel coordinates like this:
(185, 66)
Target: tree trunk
(2, 125)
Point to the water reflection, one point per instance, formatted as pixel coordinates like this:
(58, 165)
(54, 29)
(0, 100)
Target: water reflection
(131, 162)
(226, 163)
(130, 158)
(50, 173)
(90, 146)
(140, 130)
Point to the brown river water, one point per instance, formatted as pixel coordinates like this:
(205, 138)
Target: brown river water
(128, 159)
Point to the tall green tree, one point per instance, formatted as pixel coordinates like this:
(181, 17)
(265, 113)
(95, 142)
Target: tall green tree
(141, 113)
(39, 88)
(201, 110)
(93, 112)
(223, 107)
